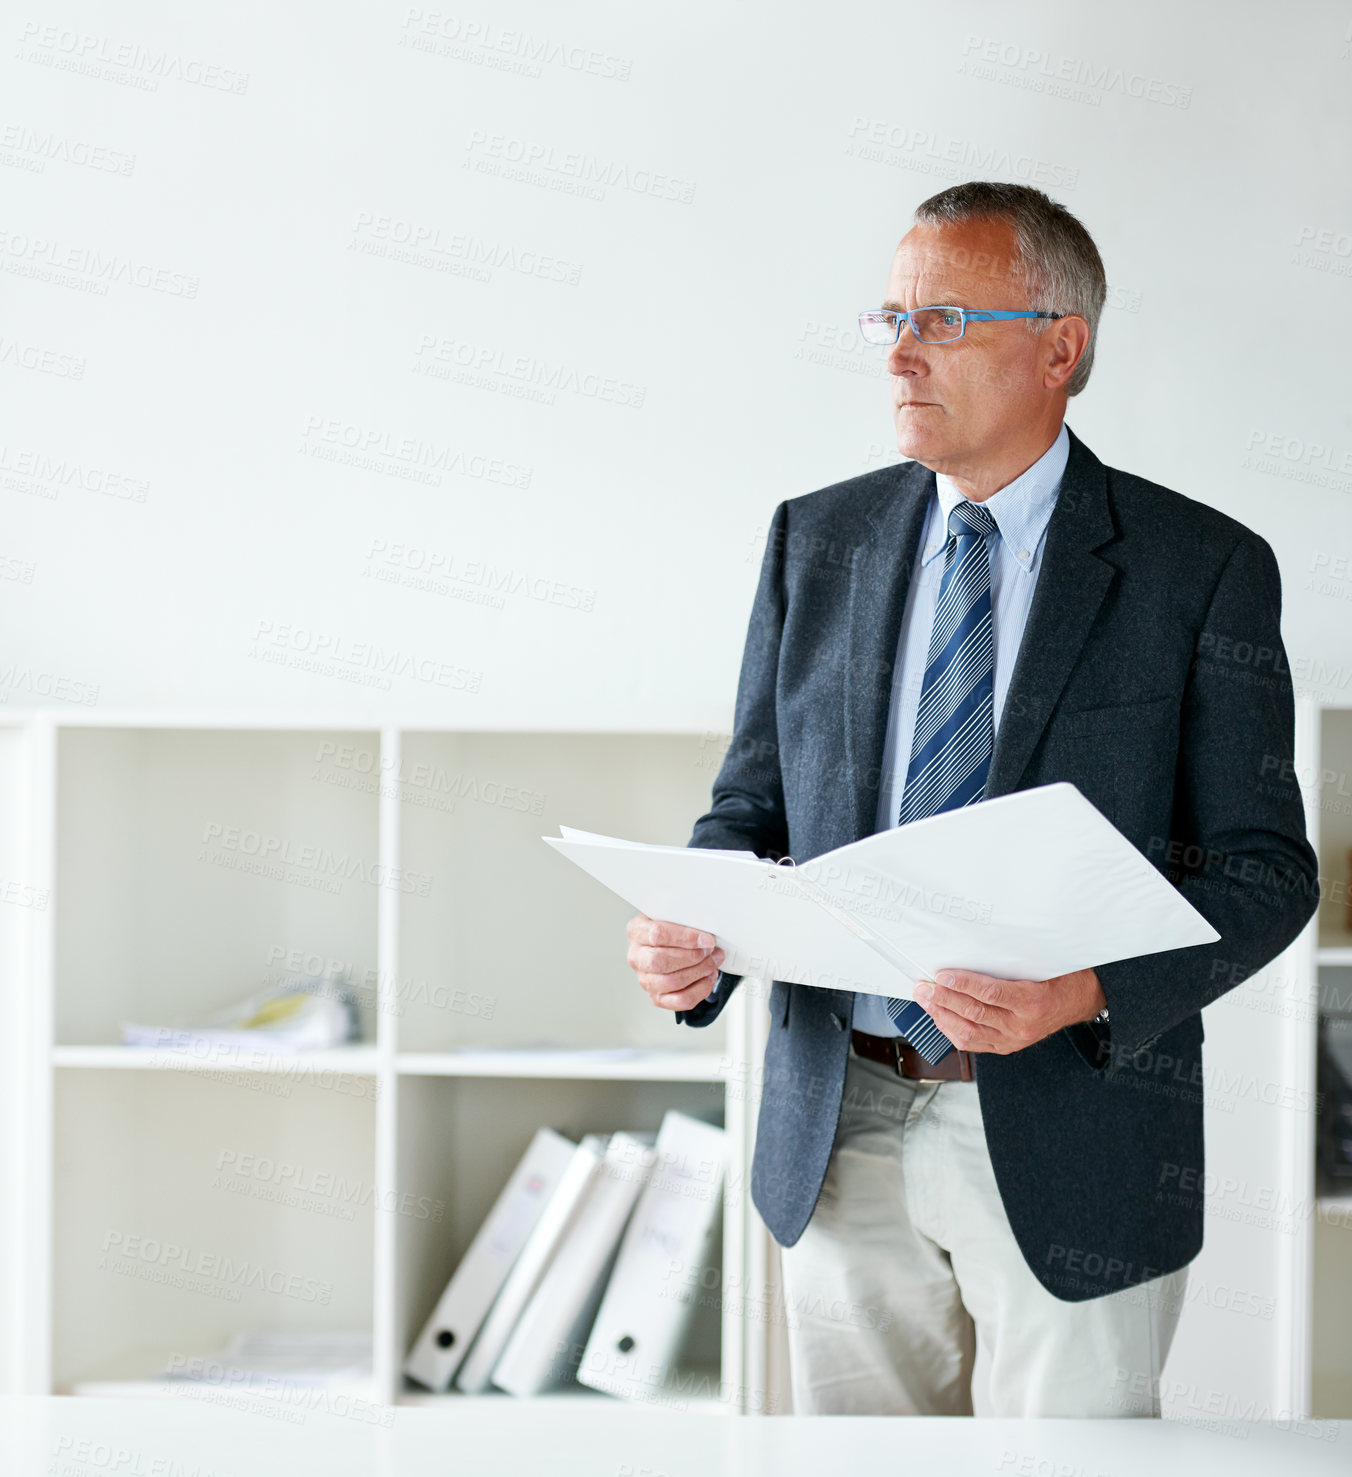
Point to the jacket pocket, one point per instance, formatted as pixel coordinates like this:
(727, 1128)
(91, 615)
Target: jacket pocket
(1115, 715)
(1121, 758)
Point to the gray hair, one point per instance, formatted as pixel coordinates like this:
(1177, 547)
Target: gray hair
(1056, 262)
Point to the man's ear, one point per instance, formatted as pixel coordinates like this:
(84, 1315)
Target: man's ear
(1069, 338)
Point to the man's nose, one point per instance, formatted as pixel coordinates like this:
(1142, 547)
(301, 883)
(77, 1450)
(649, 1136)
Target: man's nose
(905, 353)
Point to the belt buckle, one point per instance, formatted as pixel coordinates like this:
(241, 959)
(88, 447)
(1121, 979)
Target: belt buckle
(898, 1045)
(897, 1064)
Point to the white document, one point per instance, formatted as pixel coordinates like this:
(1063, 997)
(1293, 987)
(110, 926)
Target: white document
(573, 834)
(308, 1013)
(484, 1268)
(296, 1358)
(657, 1279)
(1028, 885)
(546, 1344)
(477, 1371)
(279, 1365)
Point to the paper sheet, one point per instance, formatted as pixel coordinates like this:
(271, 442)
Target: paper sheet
(1028, 885)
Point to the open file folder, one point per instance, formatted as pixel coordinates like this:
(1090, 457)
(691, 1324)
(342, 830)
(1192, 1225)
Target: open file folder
(1029, 885)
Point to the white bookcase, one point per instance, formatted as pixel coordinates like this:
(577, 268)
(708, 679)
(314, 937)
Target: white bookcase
(153, 868)
(1327, 773)
(158, 869)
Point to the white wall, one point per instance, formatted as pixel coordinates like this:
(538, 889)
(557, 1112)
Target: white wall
(168, 512)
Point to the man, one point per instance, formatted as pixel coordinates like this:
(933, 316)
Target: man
(999, 1160)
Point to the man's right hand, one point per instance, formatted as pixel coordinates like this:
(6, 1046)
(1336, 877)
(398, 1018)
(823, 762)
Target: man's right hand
(676, 965)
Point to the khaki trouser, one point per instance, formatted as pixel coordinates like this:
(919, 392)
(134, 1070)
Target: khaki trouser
(909, 1260)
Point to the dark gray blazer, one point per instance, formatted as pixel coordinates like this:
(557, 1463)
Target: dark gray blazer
(1152, 676)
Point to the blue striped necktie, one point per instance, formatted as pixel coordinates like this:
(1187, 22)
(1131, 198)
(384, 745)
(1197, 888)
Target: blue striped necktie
(954, 724)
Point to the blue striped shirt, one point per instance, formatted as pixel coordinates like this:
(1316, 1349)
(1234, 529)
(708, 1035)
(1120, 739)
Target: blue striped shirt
(1022, 510)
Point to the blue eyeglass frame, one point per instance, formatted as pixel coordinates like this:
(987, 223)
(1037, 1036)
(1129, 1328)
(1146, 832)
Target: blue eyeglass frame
(975, 315)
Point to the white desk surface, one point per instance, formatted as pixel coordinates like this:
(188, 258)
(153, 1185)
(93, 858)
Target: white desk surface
(189, 1437)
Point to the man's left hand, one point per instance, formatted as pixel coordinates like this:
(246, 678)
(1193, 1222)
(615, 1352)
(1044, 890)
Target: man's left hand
(978, 1012)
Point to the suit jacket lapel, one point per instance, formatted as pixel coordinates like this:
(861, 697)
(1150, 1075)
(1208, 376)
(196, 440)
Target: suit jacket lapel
(1072, 583)
(879, 581)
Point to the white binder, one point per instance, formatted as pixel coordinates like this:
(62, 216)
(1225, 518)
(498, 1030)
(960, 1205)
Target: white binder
(651, 1291)
(1029, 885)
(483, 1269)
(476, 1372)
(546, 1344)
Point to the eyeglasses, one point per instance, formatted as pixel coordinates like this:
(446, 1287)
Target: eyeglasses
(932, 325)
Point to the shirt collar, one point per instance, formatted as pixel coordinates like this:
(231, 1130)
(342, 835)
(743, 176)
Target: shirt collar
(1021, 509)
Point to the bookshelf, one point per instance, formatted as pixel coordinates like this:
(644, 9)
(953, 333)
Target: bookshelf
(160, 869)
(157, 867)
(1328, 1290)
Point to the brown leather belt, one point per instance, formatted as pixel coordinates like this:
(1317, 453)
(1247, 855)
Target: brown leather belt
(906, 1061)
